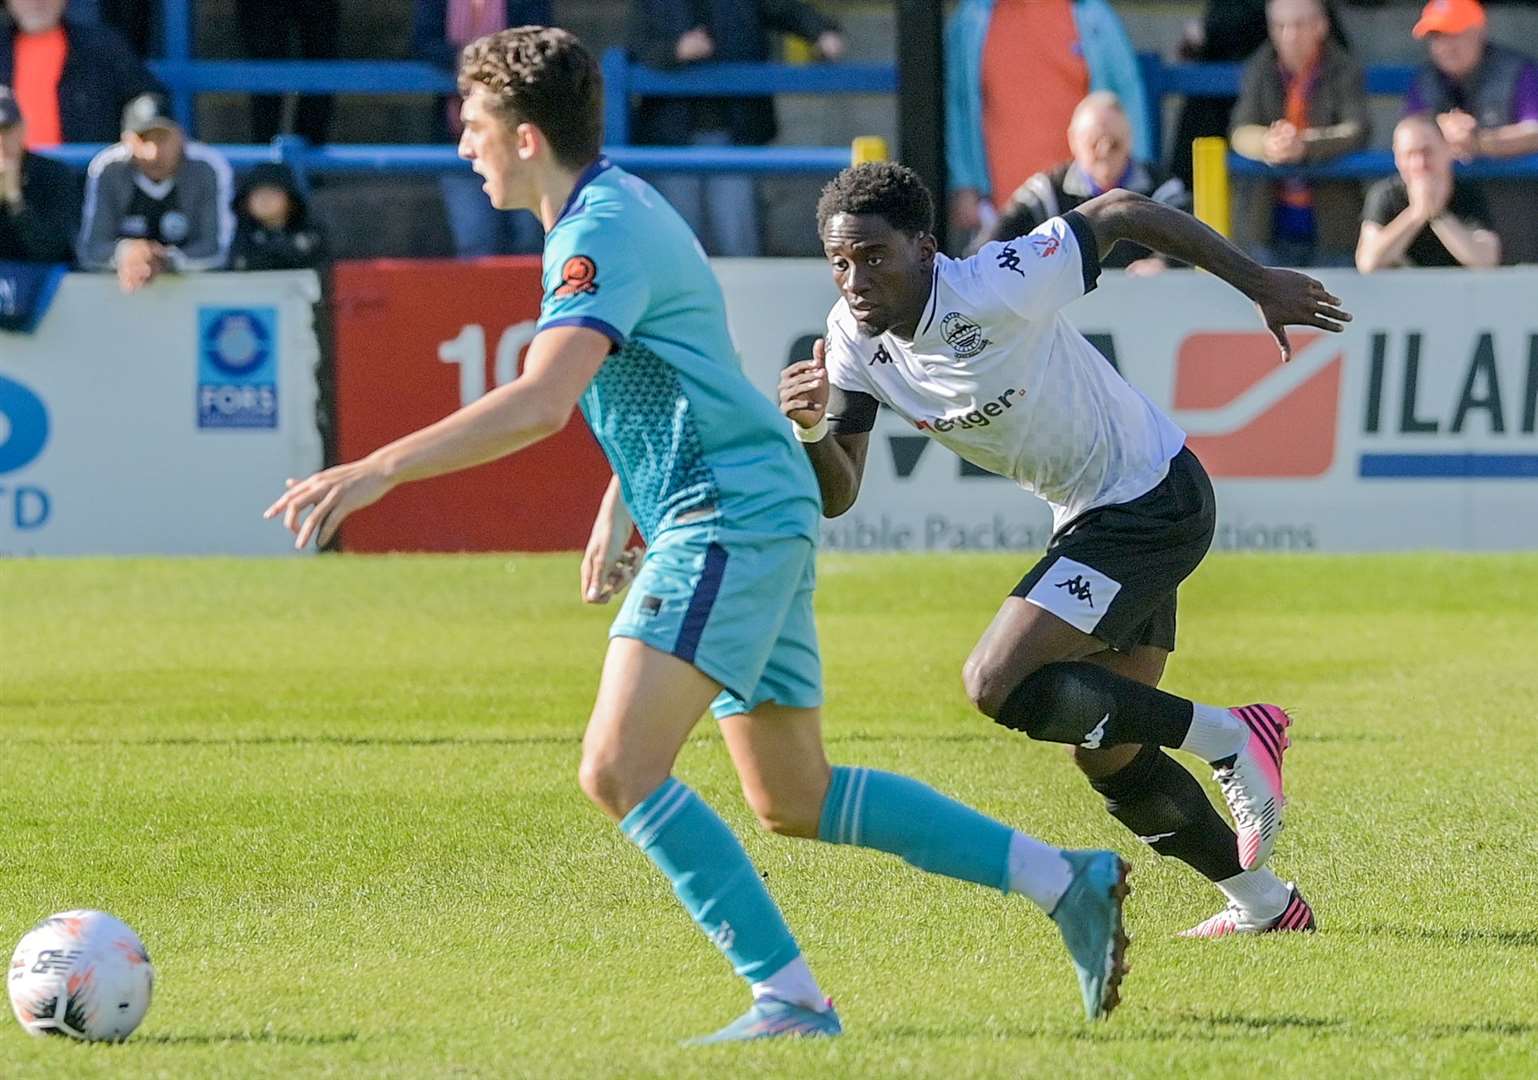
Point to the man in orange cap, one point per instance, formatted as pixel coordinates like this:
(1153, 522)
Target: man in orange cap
(1484, 96)
(1485, 100)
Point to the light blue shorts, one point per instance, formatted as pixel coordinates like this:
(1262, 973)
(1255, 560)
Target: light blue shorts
(738, 606)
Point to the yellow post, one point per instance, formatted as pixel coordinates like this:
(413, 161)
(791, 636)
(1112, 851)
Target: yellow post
(1209, 173)
(867, 148)
(799, 51)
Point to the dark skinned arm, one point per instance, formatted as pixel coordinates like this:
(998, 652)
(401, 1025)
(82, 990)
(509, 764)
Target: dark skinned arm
(1285, 297)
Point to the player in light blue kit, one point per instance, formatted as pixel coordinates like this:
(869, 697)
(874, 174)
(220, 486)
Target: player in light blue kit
(720, 610)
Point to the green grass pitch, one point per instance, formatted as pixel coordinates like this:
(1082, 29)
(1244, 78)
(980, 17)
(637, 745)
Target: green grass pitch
(337, 798)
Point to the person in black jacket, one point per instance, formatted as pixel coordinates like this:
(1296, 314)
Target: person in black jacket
(100, 73)
(273, 230)
(284, 30)
(674, 33)
(39, 199)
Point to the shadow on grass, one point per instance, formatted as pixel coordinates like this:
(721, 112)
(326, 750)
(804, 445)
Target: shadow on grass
(249, 1038)
(1510, 1028)
(435, 740)
(314, 740)
(1243, 1023)
(1473, 935)
(1188, 1027)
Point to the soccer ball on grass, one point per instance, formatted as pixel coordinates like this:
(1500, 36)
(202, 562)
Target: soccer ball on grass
(83, 974)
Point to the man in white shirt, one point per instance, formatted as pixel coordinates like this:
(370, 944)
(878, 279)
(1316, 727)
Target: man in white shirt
(975, 353)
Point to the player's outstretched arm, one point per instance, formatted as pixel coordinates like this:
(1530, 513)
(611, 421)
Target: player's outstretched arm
(838, 460)
(560, 363)
(1285, 297)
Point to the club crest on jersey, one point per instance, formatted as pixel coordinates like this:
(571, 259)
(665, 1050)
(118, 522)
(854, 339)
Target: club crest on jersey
(1045, 246)
(963, 335)
(579, 275)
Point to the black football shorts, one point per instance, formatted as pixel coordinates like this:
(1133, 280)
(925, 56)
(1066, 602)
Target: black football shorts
(1113, 571)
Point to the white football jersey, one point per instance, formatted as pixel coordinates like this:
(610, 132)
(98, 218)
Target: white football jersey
(998, 375)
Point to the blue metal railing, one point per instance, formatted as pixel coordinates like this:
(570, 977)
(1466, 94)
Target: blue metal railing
(1373, 164)
(354, 159)
(186, 77)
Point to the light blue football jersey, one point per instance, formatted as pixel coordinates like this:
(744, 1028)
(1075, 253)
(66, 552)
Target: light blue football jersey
(682, 427)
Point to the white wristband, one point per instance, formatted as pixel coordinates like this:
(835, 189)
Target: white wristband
(816, 433)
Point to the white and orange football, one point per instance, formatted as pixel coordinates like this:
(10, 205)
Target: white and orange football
(83, 974)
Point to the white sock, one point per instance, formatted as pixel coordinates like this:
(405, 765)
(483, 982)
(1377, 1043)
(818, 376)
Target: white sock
(793, 983)
(1038, 870)
(1215, 733)
(1259, 892)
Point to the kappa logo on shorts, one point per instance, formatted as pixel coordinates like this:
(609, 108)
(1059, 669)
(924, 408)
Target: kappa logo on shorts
(1075, 592)
(579, 275)
(1078, 588)
(963, 335)
(1248, 414)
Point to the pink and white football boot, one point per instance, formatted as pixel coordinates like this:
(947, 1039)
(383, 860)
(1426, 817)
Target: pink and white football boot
(1296, 916)
(1252, 782)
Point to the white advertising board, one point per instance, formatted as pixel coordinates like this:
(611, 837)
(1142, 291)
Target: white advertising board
(1415, 428)
(158, 423)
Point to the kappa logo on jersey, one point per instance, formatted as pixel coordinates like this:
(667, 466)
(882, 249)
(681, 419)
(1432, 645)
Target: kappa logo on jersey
(881, 357)
(579, 275)
(1045, 247)
(1009, 259)
(1248, 414)
(1078, 588)
(963, 335)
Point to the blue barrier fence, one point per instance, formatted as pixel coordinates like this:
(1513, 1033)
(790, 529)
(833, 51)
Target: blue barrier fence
(353, 159)
(186, 77)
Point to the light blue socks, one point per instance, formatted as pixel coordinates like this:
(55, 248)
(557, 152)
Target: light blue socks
(881, 810)
(713, 878)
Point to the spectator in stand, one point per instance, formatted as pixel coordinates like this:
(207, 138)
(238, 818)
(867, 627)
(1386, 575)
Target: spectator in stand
(136, 20)
(439, 30)
(1229, 32)
(1100, 136)
(722, 209)
(1425, 216)
(1302, 101)
(39, 201)
(1484, 97)
(284, 30)
(273, 230)
(70, 79)
(1014, 72)
(155, 202)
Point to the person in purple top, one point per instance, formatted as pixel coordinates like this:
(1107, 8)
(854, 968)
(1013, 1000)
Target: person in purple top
(1484, 97)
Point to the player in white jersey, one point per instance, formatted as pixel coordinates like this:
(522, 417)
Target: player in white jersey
(975, 353)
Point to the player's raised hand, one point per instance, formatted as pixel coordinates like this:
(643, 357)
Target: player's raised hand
(1288, 298)
(804, 388)
(329, 496)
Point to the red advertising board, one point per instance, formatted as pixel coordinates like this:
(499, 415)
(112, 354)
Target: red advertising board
(415, 340)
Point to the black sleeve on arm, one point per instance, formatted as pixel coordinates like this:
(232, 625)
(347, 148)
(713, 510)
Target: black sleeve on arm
(1089, 247)
(850, 412)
